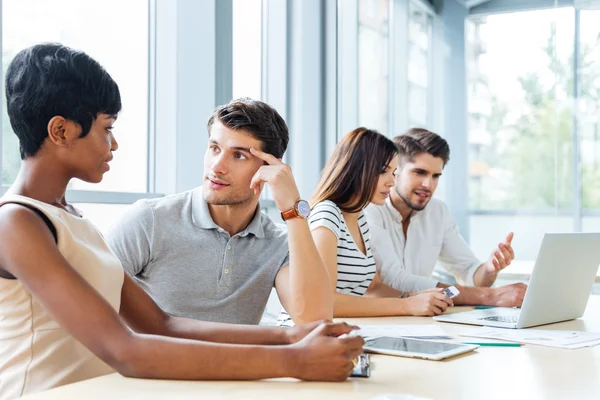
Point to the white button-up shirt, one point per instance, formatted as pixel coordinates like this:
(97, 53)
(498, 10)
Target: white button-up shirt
(407, 264)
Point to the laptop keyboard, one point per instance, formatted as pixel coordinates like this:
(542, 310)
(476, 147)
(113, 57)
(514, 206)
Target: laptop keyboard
(509, 319)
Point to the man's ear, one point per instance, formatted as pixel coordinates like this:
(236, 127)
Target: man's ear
(61, 131)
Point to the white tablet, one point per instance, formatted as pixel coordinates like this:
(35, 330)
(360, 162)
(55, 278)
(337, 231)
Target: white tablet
(430, 350)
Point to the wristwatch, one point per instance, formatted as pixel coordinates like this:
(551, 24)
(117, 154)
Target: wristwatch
(301, 209)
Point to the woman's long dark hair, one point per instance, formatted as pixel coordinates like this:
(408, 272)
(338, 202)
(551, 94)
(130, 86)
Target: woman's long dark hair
(351, 175)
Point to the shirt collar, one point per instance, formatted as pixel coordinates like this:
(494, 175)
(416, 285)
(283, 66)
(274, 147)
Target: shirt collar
(395, 213)
(255, 227)
(202, 218)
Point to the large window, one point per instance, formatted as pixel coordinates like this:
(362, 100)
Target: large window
(589, 116)
(115, 34)
(385, 70)
(533, 92)
(247, 49)
(373, 64)
(420, 27)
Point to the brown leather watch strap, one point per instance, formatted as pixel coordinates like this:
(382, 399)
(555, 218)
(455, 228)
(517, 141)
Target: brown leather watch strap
(289, 214)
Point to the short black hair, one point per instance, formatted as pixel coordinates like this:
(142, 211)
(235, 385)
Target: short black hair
(50, 79)
(260, 119)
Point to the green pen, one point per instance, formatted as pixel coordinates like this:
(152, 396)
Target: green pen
(483, 307)
(491, 344)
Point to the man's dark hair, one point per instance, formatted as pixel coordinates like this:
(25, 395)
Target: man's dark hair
(418, 140)
(261, 120)
(48, 80)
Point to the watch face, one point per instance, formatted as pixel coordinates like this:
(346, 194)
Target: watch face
(303, 208)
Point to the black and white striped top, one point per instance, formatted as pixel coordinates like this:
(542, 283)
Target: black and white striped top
(355, 269)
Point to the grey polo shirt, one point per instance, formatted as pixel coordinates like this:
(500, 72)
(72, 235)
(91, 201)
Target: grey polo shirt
(193, 268)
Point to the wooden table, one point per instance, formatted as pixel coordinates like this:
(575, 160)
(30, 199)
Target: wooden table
(529, 372)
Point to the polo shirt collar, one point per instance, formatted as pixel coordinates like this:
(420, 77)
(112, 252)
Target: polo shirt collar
(202, 218)
(255, 227)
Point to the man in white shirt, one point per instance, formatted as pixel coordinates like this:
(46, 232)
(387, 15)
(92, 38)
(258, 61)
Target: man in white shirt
(412, 231)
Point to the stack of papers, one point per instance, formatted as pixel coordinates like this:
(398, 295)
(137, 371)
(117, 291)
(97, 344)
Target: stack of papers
(542, 337)
(429, 331)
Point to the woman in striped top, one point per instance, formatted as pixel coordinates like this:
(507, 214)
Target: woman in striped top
(360, 171)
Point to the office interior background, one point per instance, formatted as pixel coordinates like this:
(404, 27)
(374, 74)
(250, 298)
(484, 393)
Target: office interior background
(513, 85)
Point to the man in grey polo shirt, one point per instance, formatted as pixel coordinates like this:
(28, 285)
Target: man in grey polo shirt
(210, 253)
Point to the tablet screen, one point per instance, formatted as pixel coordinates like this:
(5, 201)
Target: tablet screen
(411, 345)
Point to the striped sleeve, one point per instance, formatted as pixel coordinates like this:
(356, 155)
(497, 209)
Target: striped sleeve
(326, 214)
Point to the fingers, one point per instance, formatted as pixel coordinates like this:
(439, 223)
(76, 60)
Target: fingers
(511, 295)
(314, 324)
(349, 368)
(509, 249)
(354, 343)
(354, 353)
(516, 299)
(346, 371)
(507, 252)
(266, 157)
(440, 304)
(519, 301)
(498, 260)
(435, 310)
(518, 291)
(264, 174)
(335, 329)
(353, 348)
(513, 288)
(256, 184)
(444, 299)
(501, 261)
(495, 263)
(504, 254)
(521, 286)
(308, 327)
(283, 186)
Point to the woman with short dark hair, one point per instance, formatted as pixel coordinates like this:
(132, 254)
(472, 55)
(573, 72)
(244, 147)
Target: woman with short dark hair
(67, 310)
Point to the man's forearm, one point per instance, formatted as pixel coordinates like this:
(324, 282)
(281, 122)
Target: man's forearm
(311, 297)
(504, 296)
(483, 279)
(224, 333)
(472, 296)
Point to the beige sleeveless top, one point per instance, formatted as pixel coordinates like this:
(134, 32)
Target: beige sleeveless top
(35, 352)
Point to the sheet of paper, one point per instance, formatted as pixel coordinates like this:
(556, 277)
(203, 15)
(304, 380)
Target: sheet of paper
(429, 331)
(541, 337)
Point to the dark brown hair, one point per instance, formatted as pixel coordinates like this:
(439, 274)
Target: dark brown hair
(261, 120)
(351, 175)
(418, 140)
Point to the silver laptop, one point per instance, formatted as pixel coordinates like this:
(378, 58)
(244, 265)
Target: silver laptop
(559, 287)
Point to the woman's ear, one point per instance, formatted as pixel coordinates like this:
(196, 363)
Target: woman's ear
(61, 131)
